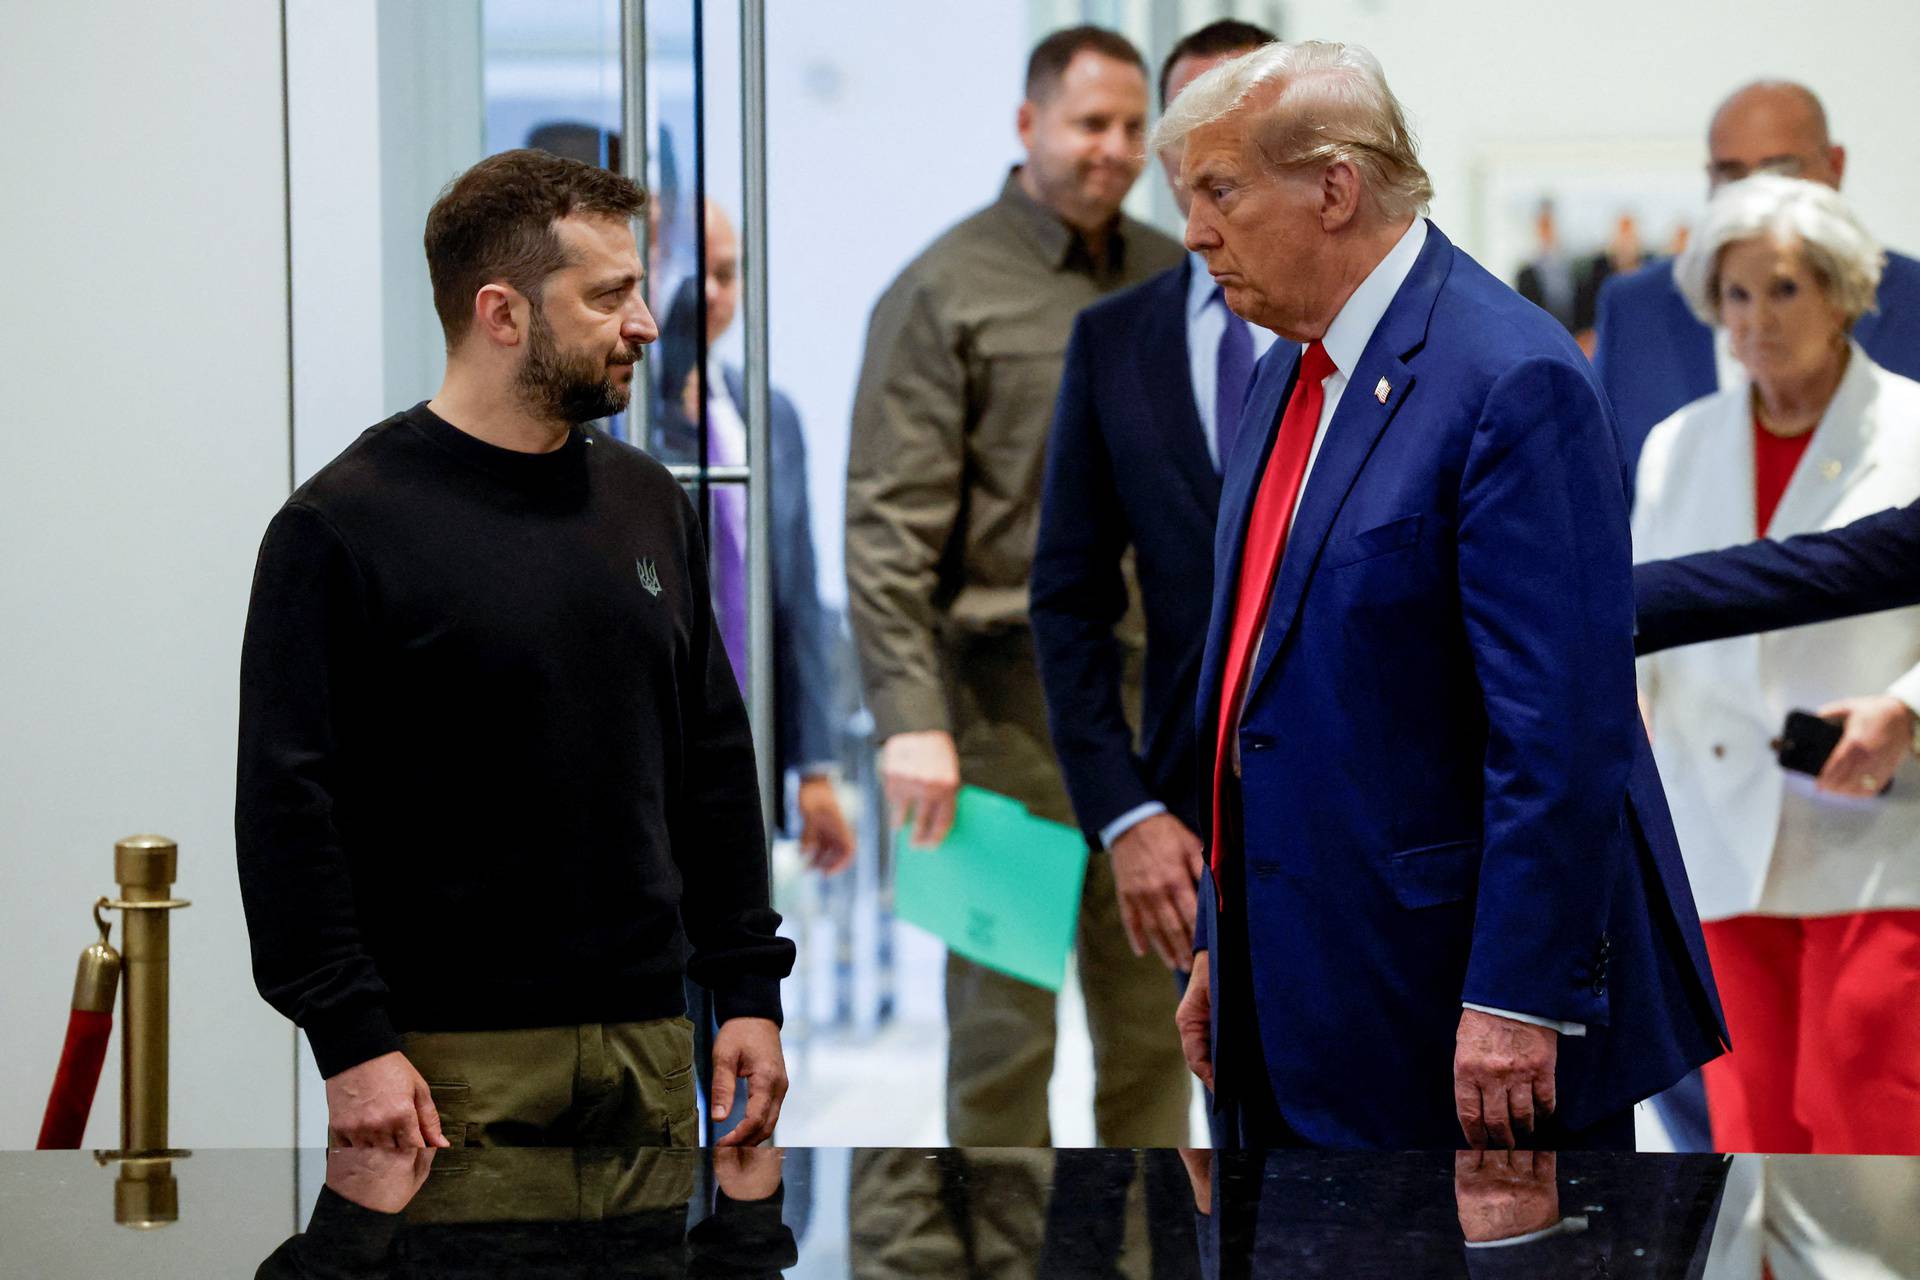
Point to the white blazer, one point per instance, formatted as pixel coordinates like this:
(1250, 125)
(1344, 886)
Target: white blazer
(1757, 838)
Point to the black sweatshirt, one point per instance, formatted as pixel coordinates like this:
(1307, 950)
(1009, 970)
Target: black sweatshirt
(494, 768)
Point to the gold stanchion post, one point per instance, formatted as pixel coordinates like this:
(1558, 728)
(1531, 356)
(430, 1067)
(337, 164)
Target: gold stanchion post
(146, 1193)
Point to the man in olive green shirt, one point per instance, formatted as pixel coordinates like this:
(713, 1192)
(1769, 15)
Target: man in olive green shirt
(950, 425)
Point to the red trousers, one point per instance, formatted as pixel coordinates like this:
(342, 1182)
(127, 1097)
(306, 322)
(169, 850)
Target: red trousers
(1824, 1012)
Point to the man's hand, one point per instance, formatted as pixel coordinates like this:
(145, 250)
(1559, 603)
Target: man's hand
(921, 772)
(1503, 1194)
(1503, 1077)
(825, 838)
(1156, 863)
(749, 1049)
(383, 1102)
(1199, 1163)
(1193, 1018)
(1876, 734)
(748, 1173)
(384, 1181)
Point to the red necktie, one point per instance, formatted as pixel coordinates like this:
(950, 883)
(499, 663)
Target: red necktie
(1260, 558)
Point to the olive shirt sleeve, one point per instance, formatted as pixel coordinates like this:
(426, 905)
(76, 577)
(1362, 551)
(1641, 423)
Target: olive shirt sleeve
(904, 495)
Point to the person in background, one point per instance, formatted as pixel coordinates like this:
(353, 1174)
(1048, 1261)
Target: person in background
(803, 672)
(1810, 888)
(957, 387)
(1653, 354)
(1149, 407)
(1548, 279)
(496, 793)
(1621, 255)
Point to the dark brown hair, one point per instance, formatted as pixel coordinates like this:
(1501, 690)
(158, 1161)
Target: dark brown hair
(1051, 56)
(1228, 35)
(494, 223)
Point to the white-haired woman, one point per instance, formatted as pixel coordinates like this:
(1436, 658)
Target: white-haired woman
(1810, 889)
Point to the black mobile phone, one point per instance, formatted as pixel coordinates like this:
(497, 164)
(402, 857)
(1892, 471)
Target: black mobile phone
(1806, 742)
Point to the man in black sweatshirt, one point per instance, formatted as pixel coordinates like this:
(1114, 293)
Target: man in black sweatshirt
(496, 789)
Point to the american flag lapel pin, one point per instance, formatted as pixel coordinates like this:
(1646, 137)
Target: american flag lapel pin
(1382, 390)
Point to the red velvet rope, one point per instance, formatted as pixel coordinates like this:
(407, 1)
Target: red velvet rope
(74, 1083)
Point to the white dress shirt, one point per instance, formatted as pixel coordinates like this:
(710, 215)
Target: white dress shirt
(1206, 325)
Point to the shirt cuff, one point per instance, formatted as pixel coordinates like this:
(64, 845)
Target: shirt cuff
(1907, 690)
(1566, 1226)
(1564, 1028)
(1128, 821)
(819, 769)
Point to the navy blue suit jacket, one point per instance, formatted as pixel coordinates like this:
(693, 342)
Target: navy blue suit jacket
(803, 672)
(1869, 565)
(1446, 791)
(1654, 356)
(1127, 467)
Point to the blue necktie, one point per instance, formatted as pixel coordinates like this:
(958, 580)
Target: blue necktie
(1232, 375)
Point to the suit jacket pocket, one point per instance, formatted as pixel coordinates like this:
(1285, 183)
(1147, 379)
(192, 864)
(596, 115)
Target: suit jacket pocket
(1434, 874)
(1377, 541)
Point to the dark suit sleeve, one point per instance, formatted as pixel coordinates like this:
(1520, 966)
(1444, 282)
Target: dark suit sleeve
(1078, 596)
(1546, 599)
(802, 642)
(1870, 565)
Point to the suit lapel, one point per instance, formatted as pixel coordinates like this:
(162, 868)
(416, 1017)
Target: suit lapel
(1837, 458)
(1166, 401)
(1351, 435)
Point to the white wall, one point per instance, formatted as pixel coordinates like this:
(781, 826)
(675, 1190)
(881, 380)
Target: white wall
(143, 449)
(1500, 72)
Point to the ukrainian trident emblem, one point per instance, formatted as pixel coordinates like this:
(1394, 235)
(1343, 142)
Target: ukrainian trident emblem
(649, 576)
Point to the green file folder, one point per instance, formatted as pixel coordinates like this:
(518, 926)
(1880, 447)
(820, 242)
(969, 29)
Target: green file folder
(1003, 889)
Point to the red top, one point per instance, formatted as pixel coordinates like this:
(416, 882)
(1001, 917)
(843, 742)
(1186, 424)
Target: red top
(1774, 459)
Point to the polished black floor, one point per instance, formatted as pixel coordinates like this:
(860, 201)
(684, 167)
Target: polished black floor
(972, 1213)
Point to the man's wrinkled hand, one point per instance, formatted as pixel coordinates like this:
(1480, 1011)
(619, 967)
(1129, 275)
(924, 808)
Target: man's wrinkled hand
(1156, 863)
(1876, 733)
(748, 1173)
(921, 774)
(1503, 1078)
(384, 1180)
(382, 1102)
(1503, 1194)
(1194, 1020)
(748, 1050)
(826, 841)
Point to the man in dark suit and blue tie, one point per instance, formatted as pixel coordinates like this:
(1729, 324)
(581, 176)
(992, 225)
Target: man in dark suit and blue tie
(1444, 897)
(1149, 407)
(1653, 354)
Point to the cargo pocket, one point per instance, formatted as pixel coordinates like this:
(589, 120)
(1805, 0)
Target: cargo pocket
(678, 1106)
(452, 1100)
(1435, 874)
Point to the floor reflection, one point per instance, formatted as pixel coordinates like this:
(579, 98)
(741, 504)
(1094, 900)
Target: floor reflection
(976, 1214)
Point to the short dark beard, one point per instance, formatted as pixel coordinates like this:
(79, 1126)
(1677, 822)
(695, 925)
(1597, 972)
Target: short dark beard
(569, 389)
